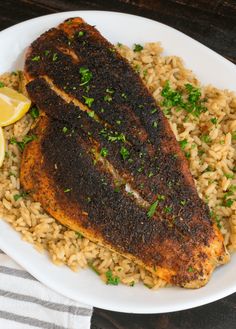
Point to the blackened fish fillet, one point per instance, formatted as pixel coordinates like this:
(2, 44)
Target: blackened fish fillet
(106, 162)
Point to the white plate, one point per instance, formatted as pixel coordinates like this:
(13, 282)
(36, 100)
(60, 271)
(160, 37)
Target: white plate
(85, 286)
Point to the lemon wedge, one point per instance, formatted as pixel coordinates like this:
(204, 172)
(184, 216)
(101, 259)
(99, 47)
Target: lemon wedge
(2, 147)
(13, 106)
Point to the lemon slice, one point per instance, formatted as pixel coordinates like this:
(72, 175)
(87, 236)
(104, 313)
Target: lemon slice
(2, 147)
(13, 106)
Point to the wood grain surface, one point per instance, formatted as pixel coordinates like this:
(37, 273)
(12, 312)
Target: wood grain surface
(212, 22)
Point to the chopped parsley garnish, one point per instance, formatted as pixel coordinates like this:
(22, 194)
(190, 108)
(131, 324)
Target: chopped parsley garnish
(153, 111)
(1, 84)
(110, 91)
(34, 112)
(54, 57)
(231, 176)
(91, 114)
(187, 155)
(137, 47)
(190, 269)
(206, 138)
(117, 137)
(123, 95)
(118, 122)
(183, 202)
(161, 197)
(47, 52)
(234, 136)
(216, 219)
(173, 98)
(150, 174)
(81, 33)
(214, 121)
(154, 124)
(152, 209)
(35, 59)
(107, 98)
(183, 144)
(88, 101)
(228, 203)
(86, 75)
(64, 129)
(20, 195)
(67, 190)
(167, 112)
(124, 153)
(167, 209)
(104, 152)
(79, 235)
(24, 141)
(114, 280)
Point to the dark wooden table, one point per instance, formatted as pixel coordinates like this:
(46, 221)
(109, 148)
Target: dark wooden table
(212, 22)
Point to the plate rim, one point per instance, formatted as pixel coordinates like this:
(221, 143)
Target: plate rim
(204, 300)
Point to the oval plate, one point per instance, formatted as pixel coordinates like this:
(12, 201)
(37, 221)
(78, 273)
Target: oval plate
(85, 286)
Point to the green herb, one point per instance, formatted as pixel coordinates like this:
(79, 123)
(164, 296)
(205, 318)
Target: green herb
(35, 59)
(21, 195)
(6, 154)
(137, 68)
(161, 197)
(114, 280)
(200, 152)
(183, 144)
(150, 174)
(154, 124)
(69, 22)
(65, 129)
(145, 73)
(214, 121)
(12, 174)
(24, 141)
(216, 219)
(167, 209)
(81, 33)
(67, 190)
(167, 112)
(34, 112)
(231, 176)
(55, 57)
(190, 269)
(132, 284)
(86, 75)
(183, 202)
(47, 52)
(137, 47)
(1, 84)
(119, 44)
(193, 105)
(152, 209)
(124, 153)
(228, 203)
(234, 136)
(117, 137)
(91, 114)
(147, 285)
(206, 138)
(187, 155)
(153, 111)
(88, 101)
(118, 122)
(79, 235)
(112, 50)
(107, 98)
(104, 152)
(110, 90)
(140, 169)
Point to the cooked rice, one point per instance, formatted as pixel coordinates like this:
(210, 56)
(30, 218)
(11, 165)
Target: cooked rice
(211, 165)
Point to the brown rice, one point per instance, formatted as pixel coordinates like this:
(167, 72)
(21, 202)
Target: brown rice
(212, 165)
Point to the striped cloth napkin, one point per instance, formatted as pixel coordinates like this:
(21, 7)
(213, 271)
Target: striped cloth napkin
(27, 303)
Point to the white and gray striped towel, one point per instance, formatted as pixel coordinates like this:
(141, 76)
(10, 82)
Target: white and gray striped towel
(27, 303)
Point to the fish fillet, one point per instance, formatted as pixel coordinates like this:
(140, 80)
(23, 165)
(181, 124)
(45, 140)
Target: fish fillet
(106, 163)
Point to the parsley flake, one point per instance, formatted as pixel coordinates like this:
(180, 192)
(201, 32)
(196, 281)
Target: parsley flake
(104, 152)
(114, 280)
(137, 47)
(88, 101)
(124, 153)
(86, 75)
(152, 209)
